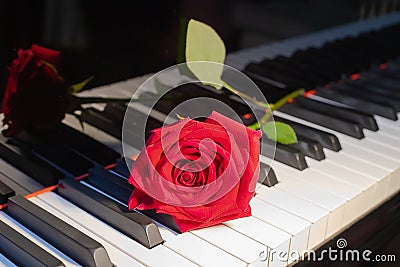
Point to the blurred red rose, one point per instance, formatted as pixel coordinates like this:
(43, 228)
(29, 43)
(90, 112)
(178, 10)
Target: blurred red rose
(35, 93)
(200, 173)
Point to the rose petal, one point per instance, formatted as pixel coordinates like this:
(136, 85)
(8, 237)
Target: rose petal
(49, 55)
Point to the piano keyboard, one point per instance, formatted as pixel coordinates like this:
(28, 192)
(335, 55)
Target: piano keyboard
(337, 173)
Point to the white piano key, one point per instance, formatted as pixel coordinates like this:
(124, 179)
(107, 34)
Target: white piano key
(353, 150)
(389, 131)
(157, 256)
(194, 248)
(232, 242)
(323, 198)
(380, 152)
(385, 140)
(376, 150)
(317, 215)
(329, 168)
(382, 176)
(356, 201)
(268, 235)
(4, 262)
(37, 240)
(389, 123)
(298, 228)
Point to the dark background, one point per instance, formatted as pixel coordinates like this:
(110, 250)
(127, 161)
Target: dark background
(115, 40)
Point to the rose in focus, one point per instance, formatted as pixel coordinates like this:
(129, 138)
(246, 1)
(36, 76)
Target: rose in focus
(202, 173)
(35, 93)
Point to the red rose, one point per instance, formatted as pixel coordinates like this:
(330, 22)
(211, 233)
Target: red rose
(201, 173)
(35, 93)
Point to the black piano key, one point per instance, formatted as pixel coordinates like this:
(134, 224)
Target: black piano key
(368, 87)
(380, 80)
(132, 224)
(340, 125)
(138, 120)
(121, 166)
(190, 91)
(309, 147)
(271, 93)
(304, 68)
(164, 219)
(5, 191)
(381, 109)
(325, 139)
(115, 111)
(95, 118)
(389, 73)
(315, 60)
(15, 187)
(73, 243)
(23, 159)
(83, 144)
(348, 89)
(365, 120)
(17, 180)
(312, 80)
(267, 175)
(344, 55)
(99, 120)
(334, 59)
(284, 154)
(57, 154)
(328, 75)
(22, 251)
(265, 74)
(115, 184)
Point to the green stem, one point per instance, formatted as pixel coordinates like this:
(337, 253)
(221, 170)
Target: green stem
(286, 98)
(275, 106)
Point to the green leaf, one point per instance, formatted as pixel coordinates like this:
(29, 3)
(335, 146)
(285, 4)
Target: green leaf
(204, 44)
(79, 86)
(279, 132)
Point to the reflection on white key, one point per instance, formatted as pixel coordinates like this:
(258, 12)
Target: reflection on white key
(37, 240)
(157, 256)
(316, 215)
